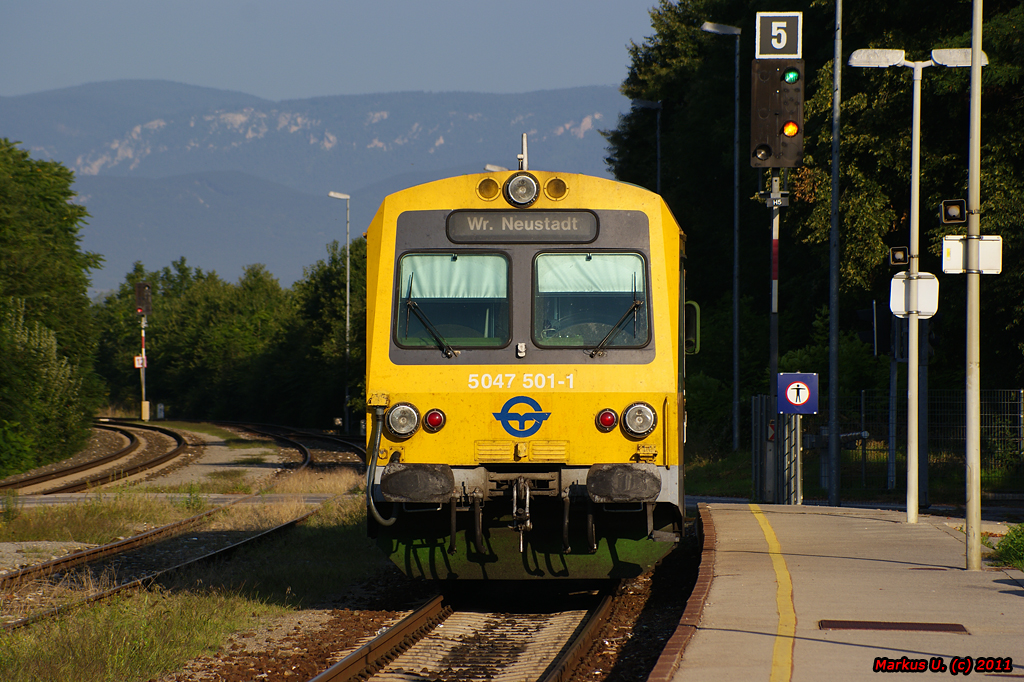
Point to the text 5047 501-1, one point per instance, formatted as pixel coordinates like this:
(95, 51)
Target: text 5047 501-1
(528, 380)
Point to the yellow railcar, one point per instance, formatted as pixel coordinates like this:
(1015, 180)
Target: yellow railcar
(524, 377)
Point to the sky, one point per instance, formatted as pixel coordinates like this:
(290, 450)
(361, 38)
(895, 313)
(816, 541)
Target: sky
(307, 48)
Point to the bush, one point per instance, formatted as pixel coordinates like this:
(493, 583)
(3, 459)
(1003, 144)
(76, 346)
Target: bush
(17, 451)
(709, 417)
(41, 407)
(1011, 548)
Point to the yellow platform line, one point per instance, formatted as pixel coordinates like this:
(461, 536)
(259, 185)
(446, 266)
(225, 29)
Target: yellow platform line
(785, 636)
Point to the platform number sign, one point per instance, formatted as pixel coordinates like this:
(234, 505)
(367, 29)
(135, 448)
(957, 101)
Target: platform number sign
(779, 35)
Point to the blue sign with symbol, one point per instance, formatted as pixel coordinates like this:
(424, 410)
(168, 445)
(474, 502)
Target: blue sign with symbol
(798, 393)
(507, 417)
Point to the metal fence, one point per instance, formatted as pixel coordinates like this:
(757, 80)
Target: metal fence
(878, 462)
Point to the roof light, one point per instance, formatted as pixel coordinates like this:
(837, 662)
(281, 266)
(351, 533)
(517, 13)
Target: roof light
(556, 189)
(522, 189)
(488, 189)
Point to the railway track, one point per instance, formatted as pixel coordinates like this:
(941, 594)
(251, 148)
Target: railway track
(439, 643)
(459, 644)
(43, 590)
(356, 444)
(115, 466)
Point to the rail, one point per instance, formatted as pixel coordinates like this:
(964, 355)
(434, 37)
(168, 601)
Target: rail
(133, 444)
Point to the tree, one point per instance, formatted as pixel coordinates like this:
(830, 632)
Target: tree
(40, 240)
(692, 74)
(321, 301)
(47, 339)
(206, 341)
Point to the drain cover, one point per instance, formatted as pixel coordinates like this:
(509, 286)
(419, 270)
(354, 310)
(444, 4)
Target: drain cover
(889, 625)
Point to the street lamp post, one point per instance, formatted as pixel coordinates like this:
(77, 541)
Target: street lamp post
(884, 59)
(724, 29)
(348, 277)
(973, 379)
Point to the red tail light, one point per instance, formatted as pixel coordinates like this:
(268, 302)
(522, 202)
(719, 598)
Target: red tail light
(434, 420)
(606, 420)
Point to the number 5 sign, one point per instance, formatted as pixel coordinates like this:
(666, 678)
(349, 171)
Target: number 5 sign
(779, 35)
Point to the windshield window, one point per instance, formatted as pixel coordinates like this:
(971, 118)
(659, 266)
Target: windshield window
(464, 297)
(582, 300)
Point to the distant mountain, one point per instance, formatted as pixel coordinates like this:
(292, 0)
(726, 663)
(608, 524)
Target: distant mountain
(219, 220)
(227, 179)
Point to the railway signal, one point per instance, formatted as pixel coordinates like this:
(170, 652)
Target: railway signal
(143, 299)
(143, 307)
(777, 113)
(777, 91)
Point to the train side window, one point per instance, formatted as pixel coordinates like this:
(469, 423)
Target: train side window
(459, 300)
(585, 300)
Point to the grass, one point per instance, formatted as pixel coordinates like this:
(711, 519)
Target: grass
(229, 481)
(310, 481)
(864, 477)
(726, 476)
(222, 436)
(94, 521)
(143, 636)
(101, 518)
(10, 507)
(220, 482)
(135, 637)
(730, 475)
(312, 563)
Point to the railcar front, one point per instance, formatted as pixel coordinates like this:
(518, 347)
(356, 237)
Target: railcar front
(524, 377)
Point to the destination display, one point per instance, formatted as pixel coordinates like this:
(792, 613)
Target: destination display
(522, 226)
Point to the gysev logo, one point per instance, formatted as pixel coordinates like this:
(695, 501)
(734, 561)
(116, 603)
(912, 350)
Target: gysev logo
(507, 417)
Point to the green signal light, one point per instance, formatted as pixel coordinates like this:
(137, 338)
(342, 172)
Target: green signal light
(791, 76)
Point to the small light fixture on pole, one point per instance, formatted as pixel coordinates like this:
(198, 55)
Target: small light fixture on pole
(647, 104)
(725, 29)
(881, 59)
(347, 198)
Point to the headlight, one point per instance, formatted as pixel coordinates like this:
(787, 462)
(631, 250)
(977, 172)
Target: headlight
(521, 190)
(639, 419)
(402, 420)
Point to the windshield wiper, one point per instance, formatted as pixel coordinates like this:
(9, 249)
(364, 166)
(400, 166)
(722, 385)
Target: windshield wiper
(616, 328)
(411, 305)
(422, 317)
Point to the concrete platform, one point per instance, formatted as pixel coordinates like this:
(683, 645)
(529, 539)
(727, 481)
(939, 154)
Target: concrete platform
(781, 573)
